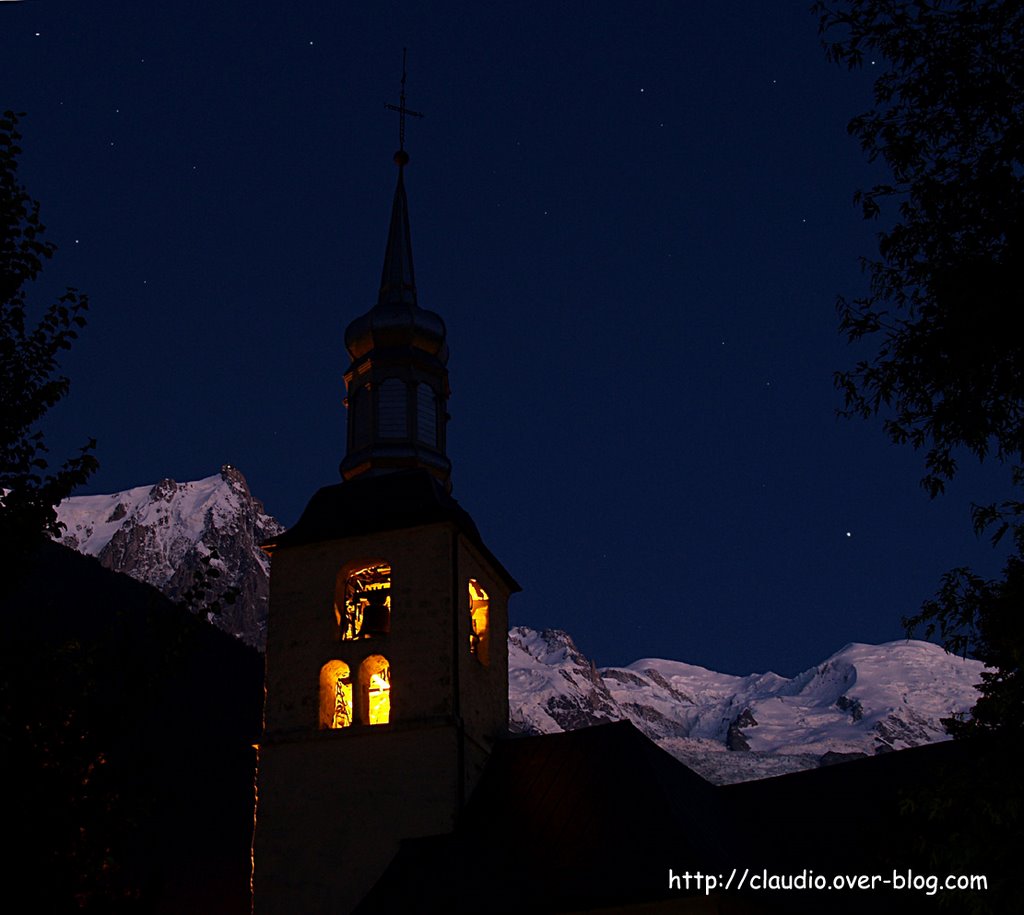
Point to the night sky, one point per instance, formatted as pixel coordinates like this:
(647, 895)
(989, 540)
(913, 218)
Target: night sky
(634, 219)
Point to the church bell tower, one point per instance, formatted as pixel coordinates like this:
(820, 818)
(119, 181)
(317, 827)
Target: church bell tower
(387, 658)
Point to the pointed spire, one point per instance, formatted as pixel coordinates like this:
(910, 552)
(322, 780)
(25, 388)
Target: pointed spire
(397, 385)
(397, 280)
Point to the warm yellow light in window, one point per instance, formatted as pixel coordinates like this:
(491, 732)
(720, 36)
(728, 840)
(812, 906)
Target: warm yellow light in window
(362, 604)
(335, 695)
(479, 611)
(380, 696)
(375, 690)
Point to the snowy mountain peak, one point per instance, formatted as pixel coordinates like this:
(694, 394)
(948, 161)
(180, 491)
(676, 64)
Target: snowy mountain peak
(863, 700)
(548, 646)
(161, 534)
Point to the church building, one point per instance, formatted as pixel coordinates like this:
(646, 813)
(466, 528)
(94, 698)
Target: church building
(384, 783)
(387, 653)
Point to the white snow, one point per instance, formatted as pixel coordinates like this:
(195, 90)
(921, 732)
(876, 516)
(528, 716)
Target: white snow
(863, 699)
(173, 517)
(87, 518)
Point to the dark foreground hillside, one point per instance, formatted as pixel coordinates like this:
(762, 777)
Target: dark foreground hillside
(126, 733)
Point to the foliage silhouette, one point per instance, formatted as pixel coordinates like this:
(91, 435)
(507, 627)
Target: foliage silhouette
(948, 372)
(202, 597)
(30, 382)
(944, 293)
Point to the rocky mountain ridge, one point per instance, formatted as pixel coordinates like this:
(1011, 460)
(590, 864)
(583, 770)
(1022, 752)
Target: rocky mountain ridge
(166, 534)
(863, 700)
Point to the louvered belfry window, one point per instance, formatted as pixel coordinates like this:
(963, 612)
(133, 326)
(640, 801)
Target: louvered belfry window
(391, 410)
(361, 418)
(426, 414)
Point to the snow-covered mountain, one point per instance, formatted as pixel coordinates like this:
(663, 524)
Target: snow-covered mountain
(863, 700)
(161, 534)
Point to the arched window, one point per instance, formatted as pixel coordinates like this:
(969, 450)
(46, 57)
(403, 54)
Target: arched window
(375, 690)
(479, 610)
(335, 695)
(362, 602)
(426, 414)
(392, 416)
(360, 418)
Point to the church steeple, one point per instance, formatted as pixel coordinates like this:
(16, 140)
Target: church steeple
(398, 279)
(397, 383)
(387, 660)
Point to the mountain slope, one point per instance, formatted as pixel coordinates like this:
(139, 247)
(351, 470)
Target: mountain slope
(163, 535)
(127, 728)
(863, 700)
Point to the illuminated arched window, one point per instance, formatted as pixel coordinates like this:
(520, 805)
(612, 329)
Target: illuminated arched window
(362, 602)
(335, 695)
(375, 690)
(426, 414)
(479, 610)
(392, 416)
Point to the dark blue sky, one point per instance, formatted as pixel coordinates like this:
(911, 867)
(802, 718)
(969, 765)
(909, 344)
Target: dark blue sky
(634, 218)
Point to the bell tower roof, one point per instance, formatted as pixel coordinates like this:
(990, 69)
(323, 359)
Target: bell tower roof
(397, 383)
(397, 319)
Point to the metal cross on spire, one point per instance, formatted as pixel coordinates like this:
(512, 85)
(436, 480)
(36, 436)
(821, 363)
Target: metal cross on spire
(401, 157)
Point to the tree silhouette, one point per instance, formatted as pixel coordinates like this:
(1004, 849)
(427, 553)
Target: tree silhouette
(947, 370)
(945, 289)
(30, 382)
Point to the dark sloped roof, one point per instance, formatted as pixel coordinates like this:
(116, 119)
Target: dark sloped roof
(595, 818)
(391, 501)
(835, 815)
(588, 817)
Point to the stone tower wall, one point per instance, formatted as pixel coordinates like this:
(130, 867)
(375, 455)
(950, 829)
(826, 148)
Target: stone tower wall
(333, 805)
